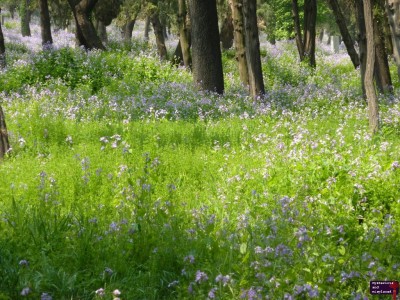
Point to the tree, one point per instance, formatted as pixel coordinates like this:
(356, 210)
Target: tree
(362, 42)
(2, 48)
(306, 44)
(382, 72)
(45, 27)
(25, 16)
(226, 32)
(85, 31)
(347, 39)
(4, 143)
(159, 34)
(256, 82)
(184, 34)
(206, 51)
(239, 39)
(373, 111)
(393, 13)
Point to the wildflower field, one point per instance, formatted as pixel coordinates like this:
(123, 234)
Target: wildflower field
(126, 182)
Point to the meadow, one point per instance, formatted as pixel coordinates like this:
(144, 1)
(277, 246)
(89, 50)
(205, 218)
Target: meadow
(125, 182)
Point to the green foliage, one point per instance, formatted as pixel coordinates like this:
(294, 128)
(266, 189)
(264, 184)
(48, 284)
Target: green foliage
(121, 168)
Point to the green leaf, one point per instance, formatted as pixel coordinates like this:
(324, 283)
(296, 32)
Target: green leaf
(243, 248)
(342, 250)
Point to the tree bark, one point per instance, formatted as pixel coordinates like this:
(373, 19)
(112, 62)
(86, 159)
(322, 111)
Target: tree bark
(297, 29)
(256, 81)
(310, 21)
(373, 111)
(85, 32)
(2, 49)
(45, 27)
(159, 34)
(25, 16)
(101, 30)
(347, 39)
(362, 43)
(239, 39)
(184, 34)
(128, 29)
(4, 143)
(206, 51)
(382, 72)
(393, 14)
(227, 32)
(147, 29)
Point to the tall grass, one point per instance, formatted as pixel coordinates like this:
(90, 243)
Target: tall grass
(125, 182)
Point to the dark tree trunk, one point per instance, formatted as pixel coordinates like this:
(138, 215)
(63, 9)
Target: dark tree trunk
(128, 29)
(382, 72)
(393, 14)
(256, 81)
(297, 28)
(159, 34)
(310, 21)
(25, 16)
(206, 51)
(45, 27)
(2, 49)
(12, 8)
(85, 32)
(227, 32)
(4, 143)
(239, 39)
(147, 29)
(184, 34)
(101, 30)
(347, 39)
(362, 43)
(373, 110)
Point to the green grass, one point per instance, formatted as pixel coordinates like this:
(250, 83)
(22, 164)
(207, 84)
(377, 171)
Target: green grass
(217, 196)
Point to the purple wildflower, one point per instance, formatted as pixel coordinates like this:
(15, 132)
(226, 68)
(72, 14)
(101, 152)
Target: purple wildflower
(201, 277)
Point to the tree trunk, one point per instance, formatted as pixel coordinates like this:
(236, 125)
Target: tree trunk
(393, 14)
(227, 32)
(102, 32)
(382, 72)
(2, 49)
(310, 21)
(128, 29)
(85, 31)
(4, 143)
(184, 34)
(45, 27)
(347, 39)
(256, 81)
(362, 43)
(147, 29)
(297, 29)
(373, 111)
(239, 39)
(159, 34)
(206, 51)
(25, 16)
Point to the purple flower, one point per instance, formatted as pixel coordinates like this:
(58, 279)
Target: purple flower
(282, 250)
(45, 296)
(24, 263)
(201, 277)
(224, 279)
(189, 258)
(25, 291)
(211, 293)
(100, 292)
